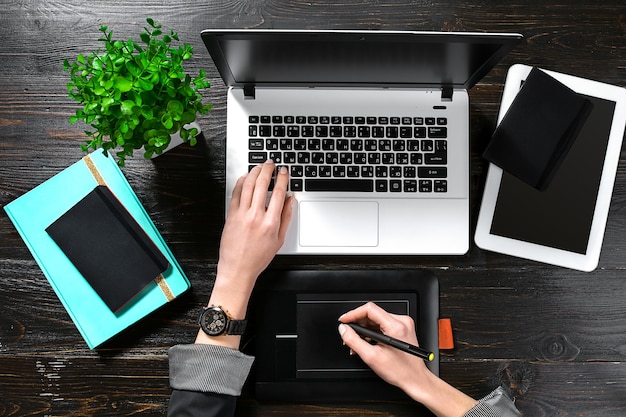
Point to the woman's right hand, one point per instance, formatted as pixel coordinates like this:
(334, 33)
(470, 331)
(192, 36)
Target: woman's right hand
(393, 365)
(399, 368)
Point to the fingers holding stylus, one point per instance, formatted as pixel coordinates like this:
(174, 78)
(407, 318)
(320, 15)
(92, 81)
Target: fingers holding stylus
(373, 316)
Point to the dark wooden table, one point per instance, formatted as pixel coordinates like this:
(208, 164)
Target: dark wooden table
(555, 336)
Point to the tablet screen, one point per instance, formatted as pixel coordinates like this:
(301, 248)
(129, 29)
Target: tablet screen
(561, 216)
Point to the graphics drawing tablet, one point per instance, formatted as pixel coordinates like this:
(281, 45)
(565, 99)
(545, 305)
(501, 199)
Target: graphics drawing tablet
(563, 225)
(293, 331)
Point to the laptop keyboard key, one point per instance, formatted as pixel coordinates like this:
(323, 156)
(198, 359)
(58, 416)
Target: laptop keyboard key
(416, 158)
(336, 131)
(265, 130)
(277, 157)
(293, 131)
(437, 158)
(299, 144)
(318, 158)
(437, 132)
(332, 158)
(425, 186)
(296, 171)
(382, 171)
(314, 144)
(289, 157)
(392, 131)
(339, 171)
(367, 171)
(349, 131)
(419, 132)
(328, 144)
(310, 171)
(432, 172)
(255, 144)
(257, 157)
(381, 186)
(321, 131)
(286, 144)
(295, 185)
(271, 144)
(353, 171)
(410, 186)
(378, 132)
(343, 144)
(304, 157)
(332, 185)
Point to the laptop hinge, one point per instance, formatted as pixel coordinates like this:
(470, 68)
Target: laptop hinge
(248, 92)
(446, 93)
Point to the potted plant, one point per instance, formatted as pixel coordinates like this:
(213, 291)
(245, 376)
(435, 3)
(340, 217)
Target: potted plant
(137, 96)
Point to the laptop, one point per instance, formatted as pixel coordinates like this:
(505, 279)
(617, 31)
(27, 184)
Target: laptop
(372, 125)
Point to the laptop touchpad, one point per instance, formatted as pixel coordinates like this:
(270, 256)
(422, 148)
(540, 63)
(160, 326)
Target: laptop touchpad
(338, 223)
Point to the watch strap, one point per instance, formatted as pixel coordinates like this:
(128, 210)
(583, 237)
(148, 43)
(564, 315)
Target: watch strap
(236, 327)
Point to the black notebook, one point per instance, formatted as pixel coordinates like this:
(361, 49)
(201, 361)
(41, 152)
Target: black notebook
(538, 129)
(108, 247)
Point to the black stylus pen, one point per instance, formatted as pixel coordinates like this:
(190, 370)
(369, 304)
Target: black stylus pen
(388, 340)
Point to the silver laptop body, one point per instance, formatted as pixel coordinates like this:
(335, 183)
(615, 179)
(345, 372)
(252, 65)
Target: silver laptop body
(327, 103)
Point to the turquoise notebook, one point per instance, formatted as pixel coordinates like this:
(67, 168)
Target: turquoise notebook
(93, 318)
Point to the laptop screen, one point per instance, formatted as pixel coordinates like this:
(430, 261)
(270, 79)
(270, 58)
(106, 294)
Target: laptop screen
(355, 58)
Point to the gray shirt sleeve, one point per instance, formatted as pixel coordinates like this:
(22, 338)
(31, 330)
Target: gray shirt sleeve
(496, 404)
(217, 369)
(208, 368)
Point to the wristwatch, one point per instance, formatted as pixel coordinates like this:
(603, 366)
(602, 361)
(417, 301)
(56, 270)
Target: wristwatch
(215, 321)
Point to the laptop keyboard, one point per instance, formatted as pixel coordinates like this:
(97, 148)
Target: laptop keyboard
(354, 154)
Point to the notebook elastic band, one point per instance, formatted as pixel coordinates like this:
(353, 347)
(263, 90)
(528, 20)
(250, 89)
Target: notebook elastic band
(160, 281)
(167, 292)
(94, 170)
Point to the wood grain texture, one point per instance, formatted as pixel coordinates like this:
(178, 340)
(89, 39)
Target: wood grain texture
(555, 337)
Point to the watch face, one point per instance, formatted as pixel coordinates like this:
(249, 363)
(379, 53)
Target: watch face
(214, 321)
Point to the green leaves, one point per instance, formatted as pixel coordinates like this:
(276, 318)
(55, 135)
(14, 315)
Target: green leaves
(136, 95)
(122, 84)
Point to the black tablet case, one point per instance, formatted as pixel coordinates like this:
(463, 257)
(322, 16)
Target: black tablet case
(293, 331)
(538, 129)
(108, 247)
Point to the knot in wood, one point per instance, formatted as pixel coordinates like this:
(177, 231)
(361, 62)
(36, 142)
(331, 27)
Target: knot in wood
(558, 348)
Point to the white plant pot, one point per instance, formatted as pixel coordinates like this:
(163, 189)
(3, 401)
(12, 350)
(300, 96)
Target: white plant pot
(176, 139)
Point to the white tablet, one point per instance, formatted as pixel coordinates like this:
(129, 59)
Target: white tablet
(563, 225)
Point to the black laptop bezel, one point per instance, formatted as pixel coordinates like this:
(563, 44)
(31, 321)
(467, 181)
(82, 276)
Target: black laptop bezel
(214, 41)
